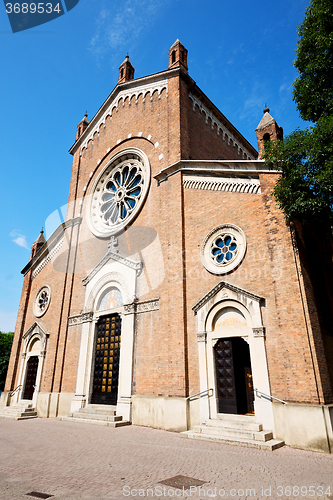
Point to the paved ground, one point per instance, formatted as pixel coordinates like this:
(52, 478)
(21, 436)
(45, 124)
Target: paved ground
(78, 461)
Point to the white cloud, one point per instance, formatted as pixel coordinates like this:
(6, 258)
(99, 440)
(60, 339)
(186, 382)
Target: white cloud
(122, 25)
(19, 239)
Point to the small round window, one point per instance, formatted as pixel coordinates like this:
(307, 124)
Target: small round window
(223, 249)
(42, 301)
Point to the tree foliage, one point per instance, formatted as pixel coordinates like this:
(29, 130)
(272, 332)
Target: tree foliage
(6, 340)
(314, 61)
(305, 157)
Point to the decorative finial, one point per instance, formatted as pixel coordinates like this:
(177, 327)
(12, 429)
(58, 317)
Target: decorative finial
(266, 110)
(86, 114)
(42, 231)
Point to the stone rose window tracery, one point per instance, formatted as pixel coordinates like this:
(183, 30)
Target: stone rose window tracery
(118, 193)
(223, 249)
(122, 193)
(42, 301)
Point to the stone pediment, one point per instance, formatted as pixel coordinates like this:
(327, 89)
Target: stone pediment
(113, 254)
(224, 286)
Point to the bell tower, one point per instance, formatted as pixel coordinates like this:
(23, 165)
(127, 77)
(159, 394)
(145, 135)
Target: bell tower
(267, 130)
(126, 71)
(178, 56)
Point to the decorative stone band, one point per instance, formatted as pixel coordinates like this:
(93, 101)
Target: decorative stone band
(223, 183)
(142, 307)
(80, 318)
(201, 336)
(259, 331)
(129, 93)
(220, 127)
(48, 258)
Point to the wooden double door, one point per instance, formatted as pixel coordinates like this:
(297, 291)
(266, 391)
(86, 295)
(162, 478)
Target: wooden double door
(106, 366)
(233, 376)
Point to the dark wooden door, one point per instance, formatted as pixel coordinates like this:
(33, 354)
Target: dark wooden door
(225, 379)
(233, 376)
(30, 379)
(107, 352)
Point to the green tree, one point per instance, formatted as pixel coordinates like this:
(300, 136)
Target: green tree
(305, 157)
(6, 340)
(314, 62)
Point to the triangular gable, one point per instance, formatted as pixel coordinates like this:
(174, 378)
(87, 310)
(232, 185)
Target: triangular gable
(220, 286)
(112, 254)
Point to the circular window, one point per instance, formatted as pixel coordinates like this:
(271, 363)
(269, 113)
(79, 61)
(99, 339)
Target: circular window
(42, 301)
(118, 192)
(223, 249)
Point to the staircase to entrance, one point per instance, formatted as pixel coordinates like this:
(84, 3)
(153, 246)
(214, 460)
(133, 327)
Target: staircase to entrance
(239, 430)
(20, 411)
(98, 414)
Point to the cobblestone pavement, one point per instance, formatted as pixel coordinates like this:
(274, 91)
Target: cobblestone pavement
(80, 461)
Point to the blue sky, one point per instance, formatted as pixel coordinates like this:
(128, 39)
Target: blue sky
(240, 55)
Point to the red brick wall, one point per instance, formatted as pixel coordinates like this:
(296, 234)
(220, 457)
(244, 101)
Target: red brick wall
(166, 359)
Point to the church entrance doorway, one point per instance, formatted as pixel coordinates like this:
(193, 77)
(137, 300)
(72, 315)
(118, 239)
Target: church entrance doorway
(30, 379)
(233, 376)
(107, 353)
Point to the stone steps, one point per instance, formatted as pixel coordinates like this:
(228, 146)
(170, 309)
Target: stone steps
(97, 414)
(20, 411)
(238, 430)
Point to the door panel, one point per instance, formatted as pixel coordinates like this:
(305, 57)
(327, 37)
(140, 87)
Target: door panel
(30, 380)
(225, 380)
(233, 376)
(107, 352)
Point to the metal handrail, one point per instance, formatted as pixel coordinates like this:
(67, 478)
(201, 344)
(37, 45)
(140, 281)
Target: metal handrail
(11, 394)
(269, 396)
(199, 393)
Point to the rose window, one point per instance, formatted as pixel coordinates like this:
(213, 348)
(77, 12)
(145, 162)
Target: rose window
(224, 249)
(118, 193)
(42, 301)
(121, 193)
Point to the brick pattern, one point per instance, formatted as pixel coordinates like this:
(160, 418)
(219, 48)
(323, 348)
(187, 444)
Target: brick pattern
(166, 353)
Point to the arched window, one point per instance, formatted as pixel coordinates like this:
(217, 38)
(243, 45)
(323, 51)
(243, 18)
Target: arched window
(173, 56)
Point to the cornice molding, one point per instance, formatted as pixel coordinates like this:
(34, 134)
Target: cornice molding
(142, 307)
(215, 168)
(124, 89)
(80, 318)
(220, 127)
(49, 247)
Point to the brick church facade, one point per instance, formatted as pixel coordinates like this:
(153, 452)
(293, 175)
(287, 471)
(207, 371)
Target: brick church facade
(173, 274)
